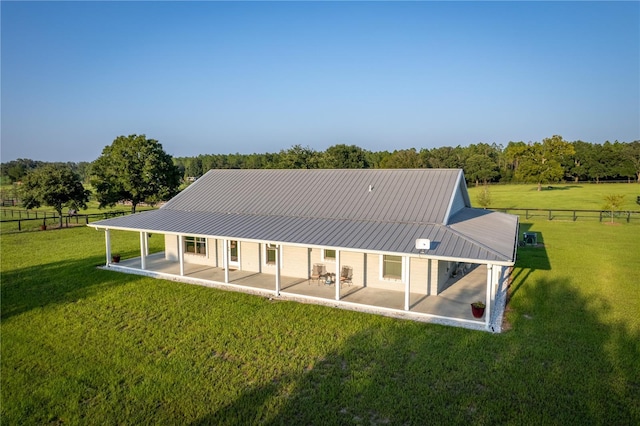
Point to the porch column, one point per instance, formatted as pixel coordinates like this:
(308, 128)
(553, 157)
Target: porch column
(364, 269)
(337, 284)
(143, 250)
(406, 277)
(146, 243)
(225, 259)
(278, 253)
(217, 255)
(180, 254)
(107, 239)
(260, 258)
(487, 310)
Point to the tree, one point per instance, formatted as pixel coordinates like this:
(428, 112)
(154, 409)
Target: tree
(136, 169)
(613, 203)
(542, 162)
(484, 197)
(344, 157)
(479, 167)
(403, 159)
(298, 157)
(56, 186)
(632, 155)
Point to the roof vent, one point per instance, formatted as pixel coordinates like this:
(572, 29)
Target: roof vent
(370, 188)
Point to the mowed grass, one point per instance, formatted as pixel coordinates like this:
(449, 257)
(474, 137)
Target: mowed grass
(580, 196)
(81, 345)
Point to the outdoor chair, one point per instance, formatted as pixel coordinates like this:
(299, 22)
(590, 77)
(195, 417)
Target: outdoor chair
(317, 273)
(346, 275)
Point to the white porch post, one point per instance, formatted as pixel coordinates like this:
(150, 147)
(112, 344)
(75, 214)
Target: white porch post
(180, 254)
(337, 283)
(487, 310)
(143, 250)
(225, 260)
(217, 255)
(107, 239)
(146, 243)
(406, 277)
(278, 253)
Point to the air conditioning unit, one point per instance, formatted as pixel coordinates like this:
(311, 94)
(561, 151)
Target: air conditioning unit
(530, 238)
(423, 244)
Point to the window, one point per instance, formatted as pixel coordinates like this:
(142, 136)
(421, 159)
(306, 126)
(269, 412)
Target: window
(391, 267)
(270, 254)
(329, 255)
(195, 245)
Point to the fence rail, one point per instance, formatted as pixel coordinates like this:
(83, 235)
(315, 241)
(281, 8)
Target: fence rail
(43, 218)
(572, 214)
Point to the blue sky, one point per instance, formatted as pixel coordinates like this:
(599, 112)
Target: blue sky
(226, 77)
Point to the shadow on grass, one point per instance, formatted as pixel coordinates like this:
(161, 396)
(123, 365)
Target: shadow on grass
(560, 364)
(53, 283)
(529, 259)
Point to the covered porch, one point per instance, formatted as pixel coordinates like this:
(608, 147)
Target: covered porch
(450, 307)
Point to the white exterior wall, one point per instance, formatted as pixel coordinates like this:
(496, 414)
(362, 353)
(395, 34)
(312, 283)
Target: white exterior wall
(427, 276)
(171, 252)
(420, 279)
(250, 256)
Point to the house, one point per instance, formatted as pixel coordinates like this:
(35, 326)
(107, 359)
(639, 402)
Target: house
(399, 242)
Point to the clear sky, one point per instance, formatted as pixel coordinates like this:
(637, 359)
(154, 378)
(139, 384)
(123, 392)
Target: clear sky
(227, 77)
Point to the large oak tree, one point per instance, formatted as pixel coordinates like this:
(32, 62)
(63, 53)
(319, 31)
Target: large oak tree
(56, 186)
(135, 169)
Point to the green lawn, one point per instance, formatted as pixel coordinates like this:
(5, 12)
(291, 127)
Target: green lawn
(581, 196)
(81, 345)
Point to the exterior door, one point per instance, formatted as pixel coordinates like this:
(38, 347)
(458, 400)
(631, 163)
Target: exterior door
(234, 253)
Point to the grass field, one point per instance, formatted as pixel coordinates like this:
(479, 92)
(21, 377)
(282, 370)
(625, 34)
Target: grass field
(581, 196)
(81, 345)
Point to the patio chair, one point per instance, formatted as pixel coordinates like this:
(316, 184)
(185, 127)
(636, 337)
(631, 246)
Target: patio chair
(317, 272)
(346, 275)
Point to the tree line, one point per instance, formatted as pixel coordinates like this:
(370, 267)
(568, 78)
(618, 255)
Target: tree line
(551, 160)
(138, 170)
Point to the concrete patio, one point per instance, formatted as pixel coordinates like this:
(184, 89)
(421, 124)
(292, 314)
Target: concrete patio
(450, 307)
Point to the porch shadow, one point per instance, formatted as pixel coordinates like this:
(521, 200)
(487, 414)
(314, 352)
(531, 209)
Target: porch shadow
(410, 373)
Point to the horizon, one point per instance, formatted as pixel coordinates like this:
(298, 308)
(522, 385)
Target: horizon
(218, 78)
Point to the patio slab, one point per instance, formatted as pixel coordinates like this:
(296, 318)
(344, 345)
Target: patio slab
(451, 307)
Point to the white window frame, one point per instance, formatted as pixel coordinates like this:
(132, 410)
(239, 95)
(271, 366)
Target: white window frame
(395, 280)
(267, 246)
(196, 241)
(329, 259)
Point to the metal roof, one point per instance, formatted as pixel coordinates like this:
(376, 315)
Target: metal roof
(335, 208)
(398, 195)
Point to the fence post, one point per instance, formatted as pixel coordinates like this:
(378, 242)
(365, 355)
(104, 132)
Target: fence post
(574, 216)
(549, 214)
(526, 214)
(601, 216)
(19, 227)
(628, 216)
